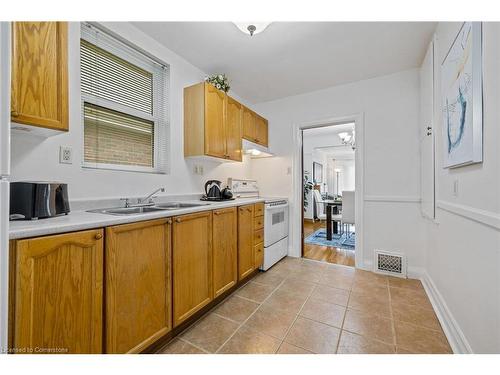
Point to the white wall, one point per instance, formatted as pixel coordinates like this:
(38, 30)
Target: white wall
(346, 175)
(463, 254)
(390, 107)
(37, 159)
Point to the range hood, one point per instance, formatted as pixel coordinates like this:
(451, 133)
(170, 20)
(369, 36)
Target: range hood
(255, 150)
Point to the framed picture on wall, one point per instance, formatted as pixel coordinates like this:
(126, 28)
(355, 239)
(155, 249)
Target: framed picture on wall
(317, 173)
(462, 98)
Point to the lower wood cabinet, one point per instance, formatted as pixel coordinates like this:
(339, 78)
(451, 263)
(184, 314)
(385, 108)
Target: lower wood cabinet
(225, 250)
(57, 293)
(138, 278)
(192, 264)
(246, 259)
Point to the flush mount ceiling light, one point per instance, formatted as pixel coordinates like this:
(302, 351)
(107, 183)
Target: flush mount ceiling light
(252, 28)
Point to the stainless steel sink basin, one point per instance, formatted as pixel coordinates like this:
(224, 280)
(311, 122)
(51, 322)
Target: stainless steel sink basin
(146, 209)
(128, 210)
(177, 205)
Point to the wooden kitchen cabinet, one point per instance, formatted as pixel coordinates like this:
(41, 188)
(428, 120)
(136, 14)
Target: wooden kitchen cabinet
(225, 250)
(255, 127)
(138, 285)
(57, 290)
(212, 123)
(192, 264)
(40, 74)
(246, 261)
(258, 238)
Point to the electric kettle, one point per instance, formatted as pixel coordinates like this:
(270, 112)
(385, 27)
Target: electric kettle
(212, 190)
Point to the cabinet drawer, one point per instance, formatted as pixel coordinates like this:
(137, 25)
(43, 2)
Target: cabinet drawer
(258, 209)
(259, 254)
(258, 223)
(258, 236)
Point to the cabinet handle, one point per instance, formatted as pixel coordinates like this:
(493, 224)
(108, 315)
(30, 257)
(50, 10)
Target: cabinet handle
(216, 212)
(178, 220)
(249, 209)
(98, 236)
(169, 221)
(14, 113)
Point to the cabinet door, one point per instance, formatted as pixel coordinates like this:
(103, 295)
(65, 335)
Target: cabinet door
(245, 241)
(233, 129)
(215, 144)
(261, 130)
(58, 292)
(40, 74)
(248, 119)
(192, 264)
(138, 293)
(225, 249)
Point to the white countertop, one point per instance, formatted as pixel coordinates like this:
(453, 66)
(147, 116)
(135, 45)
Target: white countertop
(80, 220)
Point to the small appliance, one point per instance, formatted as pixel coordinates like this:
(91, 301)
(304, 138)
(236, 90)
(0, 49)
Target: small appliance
(212, 190)
(37, 200)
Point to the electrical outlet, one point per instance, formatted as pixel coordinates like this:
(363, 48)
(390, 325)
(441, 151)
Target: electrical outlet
(455, 188)
(65, 155)
(198, 169)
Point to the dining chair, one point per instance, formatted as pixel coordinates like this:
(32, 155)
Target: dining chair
(348, 209)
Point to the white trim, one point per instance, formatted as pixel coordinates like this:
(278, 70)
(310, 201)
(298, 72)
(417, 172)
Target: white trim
(451, 329)
(488, 218)
(392, 198)
(296, 205)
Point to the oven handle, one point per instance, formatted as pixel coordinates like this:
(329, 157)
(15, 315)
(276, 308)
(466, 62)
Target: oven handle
(270, 207)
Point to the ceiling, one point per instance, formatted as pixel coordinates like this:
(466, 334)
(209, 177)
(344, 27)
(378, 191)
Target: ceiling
(290, 58)
(329, 130)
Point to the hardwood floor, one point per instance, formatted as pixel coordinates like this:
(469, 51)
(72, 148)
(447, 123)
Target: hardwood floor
(325, 253)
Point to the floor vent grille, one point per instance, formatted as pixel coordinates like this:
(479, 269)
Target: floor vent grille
(390, 263)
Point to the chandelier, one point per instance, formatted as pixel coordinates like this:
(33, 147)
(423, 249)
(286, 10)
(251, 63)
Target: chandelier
(348, 139)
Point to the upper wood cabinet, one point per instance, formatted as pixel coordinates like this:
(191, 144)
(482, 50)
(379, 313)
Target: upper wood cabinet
(58, 291)
(225, 250)
(192, 264)
(246, 261)
(255, 127)
(40, 74)
(138, 278)
(212, 123)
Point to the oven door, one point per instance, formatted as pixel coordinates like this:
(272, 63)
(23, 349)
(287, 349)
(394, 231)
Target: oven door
(275, 223)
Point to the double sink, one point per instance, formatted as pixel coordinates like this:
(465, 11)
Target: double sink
(147, 209)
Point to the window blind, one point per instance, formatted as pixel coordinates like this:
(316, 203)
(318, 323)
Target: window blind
(124, 104)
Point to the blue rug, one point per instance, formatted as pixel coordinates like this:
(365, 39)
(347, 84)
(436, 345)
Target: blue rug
(341, 241)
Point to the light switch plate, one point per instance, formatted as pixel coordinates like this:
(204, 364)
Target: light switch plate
(65, 155)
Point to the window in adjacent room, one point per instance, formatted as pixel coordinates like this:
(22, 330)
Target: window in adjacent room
(124, 105)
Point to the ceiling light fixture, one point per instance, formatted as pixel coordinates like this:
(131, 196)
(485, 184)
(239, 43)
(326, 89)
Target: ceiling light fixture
(348, 139)
(252, 28)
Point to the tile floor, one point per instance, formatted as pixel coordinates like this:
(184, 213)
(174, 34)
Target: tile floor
(303, 307)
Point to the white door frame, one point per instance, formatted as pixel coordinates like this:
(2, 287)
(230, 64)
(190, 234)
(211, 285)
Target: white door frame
(296, 214)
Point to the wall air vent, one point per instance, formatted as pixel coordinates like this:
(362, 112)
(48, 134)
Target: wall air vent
(387, 263)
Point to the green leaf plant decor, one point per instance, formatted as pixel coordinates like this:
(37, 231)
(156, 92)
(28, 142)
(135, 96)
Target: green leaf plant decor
(219, 81)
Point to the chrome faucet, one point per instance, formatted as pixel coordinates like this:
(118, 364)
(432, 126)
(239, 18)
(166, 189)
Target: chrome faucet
(148, 199)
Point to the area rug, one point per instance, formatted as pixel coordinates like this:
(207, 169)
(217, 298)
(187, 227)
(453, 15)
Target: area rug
(343, 241)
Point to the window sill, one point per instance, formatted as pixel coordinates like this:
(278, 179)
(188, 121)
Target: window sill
(122, 168)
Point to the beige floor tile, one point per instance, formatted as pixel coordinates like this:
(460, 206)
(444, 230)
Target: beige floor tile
(236, 308)
(323, 312)
(370, 287)
(290, 302)
(351, 343)
(255, 291)
(211, 332)
(180, 347)
(311, 265)
(271, 321)
(410, 297)
(301, 287)
(248, 341)
(416, 315)
(308, 275)
(332, 295)
(267, 278)
(336, 281)
(333, 270)
(404, 351)
(369, 325)
(313, 336)
(371, 277)
(420, 340)
(398, 282)
(286, 348)
(372, 303)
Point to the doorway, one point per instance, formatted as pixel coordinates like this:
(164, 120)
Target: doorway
(328, 176)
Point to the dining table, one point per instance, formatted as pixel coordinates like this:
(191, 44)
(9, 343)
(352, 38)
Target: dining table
(332, 207)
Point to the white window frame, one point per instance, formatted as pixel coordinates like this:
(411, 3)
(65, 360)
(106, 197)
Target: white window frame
(136, 56)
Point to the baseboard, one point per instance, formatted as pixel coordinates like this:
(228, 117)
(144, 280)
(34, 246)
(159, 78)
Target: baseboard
(413, 272)
(454, 334)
